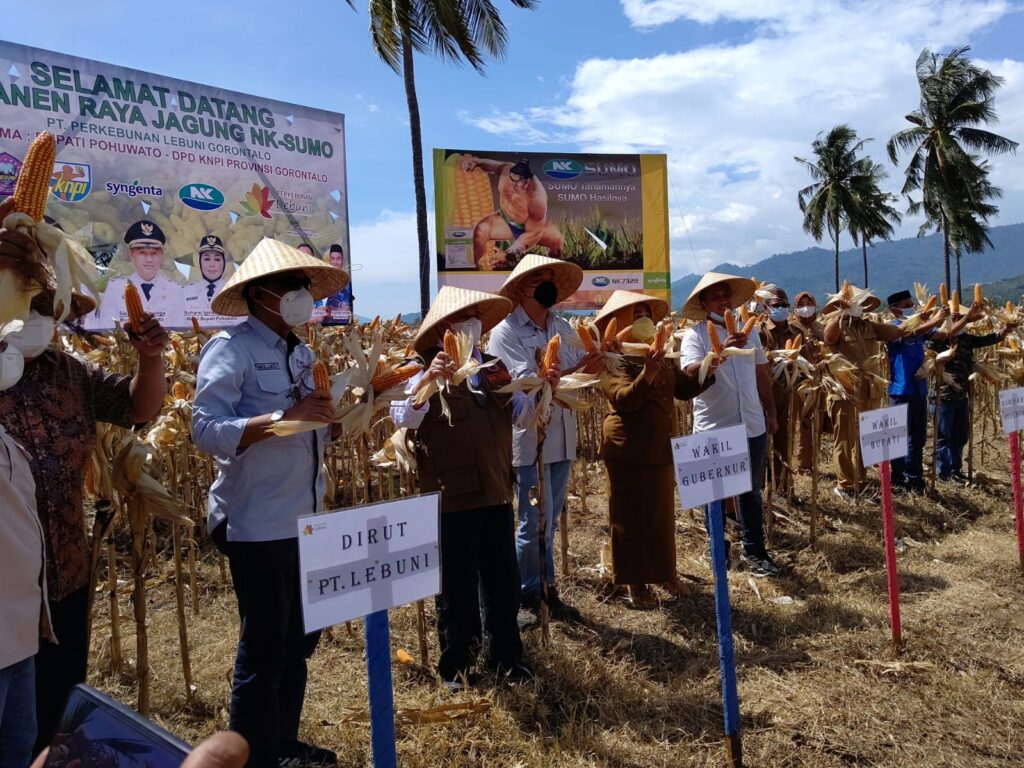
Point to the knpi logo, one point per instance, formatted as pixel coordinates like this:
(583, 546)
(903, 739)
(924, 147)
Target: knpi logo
(71, 183)
(600, 281)
(562, 169)
(202, 197)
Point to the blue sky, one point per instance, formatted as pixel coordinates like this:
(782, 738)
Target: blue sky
(730, 89)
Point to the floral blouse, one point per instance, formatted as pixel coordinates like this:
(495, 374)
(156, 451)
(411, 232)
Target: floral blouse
(52, 412)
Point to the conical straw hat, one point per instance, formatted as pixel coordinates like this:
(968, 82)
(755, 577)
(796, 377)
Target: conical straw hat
(271, 257)
(742, 289)
(451, 301)
(622, 299)
(567, 276)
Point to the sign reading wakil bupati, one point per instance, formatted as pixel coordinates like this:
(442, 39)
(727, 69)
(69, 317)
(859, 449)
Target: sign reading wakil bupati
(195, 176)
(883, 434)
(358, 561)
(1011, 406)
(711, 465)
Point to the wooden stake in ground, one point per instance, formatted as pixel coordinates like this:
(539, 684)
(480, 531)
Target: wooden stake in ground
(542, 538)
(815, 436)
(891, 572)
(179, 598)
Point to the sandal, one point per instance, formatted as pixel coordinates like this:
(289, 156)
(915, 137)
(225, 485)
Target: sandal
(641, 597)
(677, 588)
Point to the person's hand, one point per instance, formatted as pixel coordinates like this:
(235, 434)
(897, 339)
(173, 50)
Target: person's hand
(944, 312)
(516, 250)
(18, 251)
(468, 163)
(593, 362)
(553, 376)
(316, 406)
(771, 422)
(225, 749)
(737, 340)
(976, 311)
(441, 367)
(652, 364)
(151, 339)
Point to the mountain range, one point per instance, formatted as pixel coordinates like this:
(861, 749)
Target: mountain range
(892, 266)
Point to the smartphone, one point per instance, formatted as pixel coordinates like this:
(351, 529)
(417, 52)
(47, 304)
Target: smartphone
(98, 732)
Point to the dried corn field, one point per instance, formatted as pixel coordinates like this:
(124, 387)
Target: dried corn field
(819, 684)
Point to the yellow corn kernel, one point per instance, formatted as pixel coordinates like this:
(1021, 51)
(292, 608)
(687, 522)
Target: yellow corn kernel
(133, 306)
(716, 343)
(321, 378)
(382, 382)
(33, 185)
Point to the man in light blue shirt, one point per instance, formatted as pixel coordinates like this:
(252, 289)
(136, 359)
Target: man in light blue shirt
(250, 377)
(520, 340)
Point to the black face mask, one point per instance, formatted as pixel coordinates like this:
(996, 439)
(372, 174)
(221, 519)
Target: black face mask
(546, 294)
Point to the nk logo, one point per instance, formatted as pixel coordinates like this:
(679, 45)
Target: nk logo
(201, 197)
(71, 183)
(562, 169)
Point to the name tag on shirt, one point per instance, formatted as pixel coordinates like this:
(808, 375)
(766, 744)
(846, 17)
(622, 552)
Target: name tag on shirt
(497, 375)
(274, 366)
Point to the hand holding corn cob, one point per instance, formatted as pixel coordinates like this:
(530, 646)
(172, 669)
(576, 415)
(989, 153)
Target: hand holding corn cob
(720, 351)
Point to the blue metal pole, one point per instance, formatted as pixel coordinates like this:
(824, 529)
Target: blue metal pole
(723, 619)
(382, 701)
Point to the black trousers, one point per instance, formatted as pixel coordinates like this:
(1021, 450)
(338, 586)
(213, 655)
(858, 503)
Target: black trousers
(269, 682)
(60, 667)
(479, 574)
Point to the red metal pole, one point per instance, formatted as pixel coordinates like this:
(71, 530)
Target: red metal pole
(892, 575)
(1018, 498)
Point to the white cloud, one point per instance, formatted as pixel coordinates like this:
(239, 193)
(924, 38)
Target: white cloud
(386, 280)
(732, 116)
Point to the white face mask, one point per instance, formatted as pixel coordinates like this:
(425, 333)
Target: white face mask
(34, 337)
(778, 314)
(806, 311)
(296, 307)
(716, 317)
(471, 327)
(856, 310)
(12, 366)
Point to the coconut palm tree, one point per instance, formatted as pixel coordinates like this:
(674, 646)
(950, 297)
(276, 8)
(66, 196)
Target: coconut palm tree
(875, 215)
(957, 96)
(831, 202)
(454, 30)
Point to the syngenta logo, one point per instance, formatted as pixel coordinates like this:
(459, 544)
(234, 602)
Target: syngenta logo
(201, 197)
(133, 189)
(562, 169)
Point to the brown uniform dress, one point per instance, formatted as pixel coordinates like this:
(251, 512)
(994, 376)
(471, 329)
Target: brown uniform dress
(815, 331)
(641, 482)
(858, 343)
(774, 336)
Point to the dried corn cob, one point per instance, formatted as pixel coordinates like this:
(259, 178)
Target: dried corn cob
(943, 295)
(551, 354)
(749, 325)
(180, 391)
(930, 304)
(1012, 343)
(586, 338)
(954, 301)
(321, 379)
(660, 337)
(451, 345)
(847, 291)
(978, 296)
(1009, 307)
(610, 331)
(196, 328)
(798, 341)
(382, 382)
(133, 306)
(33, 185)
(744, 313)
(375, 323)
(626, 334)
(716, 343)
(730, 322)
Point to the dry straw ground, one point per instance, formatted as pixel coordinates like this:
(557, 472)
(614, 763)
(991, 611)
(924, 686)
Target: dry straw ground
(819, 683)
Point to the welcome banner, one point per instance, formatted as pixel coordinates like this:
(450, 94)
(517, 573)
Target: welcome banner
(606, 213)
(193, 176)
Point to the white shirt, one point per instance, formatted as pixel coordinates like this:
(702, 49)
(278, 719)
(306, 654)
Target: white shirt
(733, 398)
(164, 302)
(196, 300)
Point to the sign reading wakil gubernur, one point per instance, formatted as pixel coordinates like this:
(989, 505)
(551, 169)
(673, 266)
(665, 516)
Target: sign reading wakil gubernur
(1011, 407)
(608, 214)
(883, 434)
(358, 561)
(193, 175)
(711, 465)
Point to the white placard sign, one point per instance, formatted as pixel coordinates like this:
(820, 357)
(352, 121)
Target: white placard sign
(883, 435)
(1011, 405)
(357, 561)
(711, 465)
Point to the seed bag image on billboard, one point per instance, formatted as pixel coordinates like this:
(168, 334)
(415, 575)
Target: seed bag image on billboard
(170, 184)
(606, 213)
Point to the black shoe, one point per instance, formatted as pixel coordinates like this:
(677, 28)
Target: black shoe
(300, 755)
(958, 477)
(515, 674)
(760, 565)
(560, 611)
